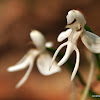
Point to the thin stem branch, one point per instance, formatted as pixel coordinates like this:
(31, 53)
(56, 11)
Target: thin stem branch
(74, 90)
(89, 79)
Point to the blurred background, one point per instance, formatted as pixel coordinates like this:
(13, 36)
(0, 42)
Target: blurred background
(17, 19)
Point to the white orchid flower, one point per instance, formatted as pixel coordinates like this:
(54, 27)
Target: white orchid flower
(75, 25)
(43, 59)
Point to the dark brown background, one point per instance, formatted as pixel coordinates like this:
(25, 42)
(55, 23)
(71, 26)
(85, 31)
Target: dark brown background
(17, 19)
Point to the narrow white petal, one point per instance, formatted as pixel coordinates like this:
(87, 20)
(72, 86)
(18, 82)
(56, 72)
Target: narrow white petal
(69, 50)
(56, 53)
(49, 44)
(91, 41)
(63, 35)
(43, 63)
(22, 81)
(20, 66)
(23, 63)
(77, 63)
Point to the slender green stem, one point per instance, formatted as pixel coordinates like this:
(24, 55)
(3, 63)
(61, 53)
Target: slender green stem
(74, 90)
(97, 61)
(89, 78)
(98, 77)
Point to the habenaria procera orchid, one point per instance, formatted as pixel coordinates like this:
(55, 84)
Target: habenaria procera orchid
(42, 55)
(75, 29)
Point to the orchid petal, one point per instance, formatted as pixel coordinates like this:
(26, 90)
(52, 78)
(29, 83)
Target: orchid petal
(22, 81)
(77, 63)
(79, 16)
(91, 41)
(56, 53)
(70, 17)
(43, 63)
(64, 35)
(20, 66)
(75, 14)
(49, 44)
(69, 50)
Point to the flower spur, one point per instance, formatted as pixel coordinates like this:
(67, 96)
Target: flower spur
(43, 59)
(75, 29)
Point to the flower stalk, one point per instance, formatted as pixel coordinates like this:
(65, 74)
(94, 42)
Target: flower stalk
(89, 78)
(74, 90)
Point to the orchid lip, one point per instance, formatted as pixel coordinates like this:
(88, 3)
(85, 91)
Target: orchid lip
(69, 50)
